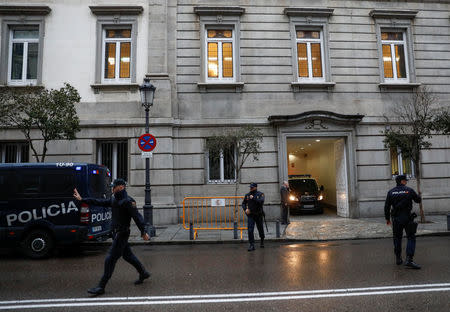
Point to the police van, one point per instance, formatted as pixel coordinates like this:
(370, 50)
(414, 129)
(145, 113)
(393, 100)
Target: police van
(38, 211)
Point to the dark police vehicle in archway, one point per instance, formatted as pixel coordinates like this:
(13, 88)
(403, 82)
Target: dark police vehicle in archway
(304, 195)
(38, 211)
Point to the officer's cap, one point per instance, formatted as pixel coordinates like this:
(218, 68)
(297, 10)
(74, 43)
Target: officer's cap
(118, 182)
(253, 184)
(400, 178)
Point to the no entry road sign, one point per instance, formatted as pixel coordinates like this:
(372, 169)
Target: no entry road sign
(147, 142)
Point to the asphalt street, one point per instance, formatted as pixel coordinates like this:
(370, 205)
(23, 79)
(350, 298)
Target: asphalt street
(358, 275)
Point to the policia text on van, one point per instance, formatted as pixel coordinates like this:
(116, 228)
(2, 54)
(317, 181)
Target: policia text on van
(38, 212)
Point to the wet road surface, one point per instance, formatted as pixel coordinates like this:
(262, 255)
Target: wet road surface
(328, 276)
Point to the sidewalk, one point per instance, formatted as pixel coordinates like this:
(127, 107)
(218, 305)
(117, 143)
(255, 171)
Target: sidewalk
(335, 228)
(301, 228)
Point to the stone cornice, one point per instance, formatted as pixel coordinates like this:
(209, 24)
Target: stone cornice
(24, 10)
(340, 118)
(320, 12)
(116, 9)
(132, 87)
(405, 14)
(206, 10)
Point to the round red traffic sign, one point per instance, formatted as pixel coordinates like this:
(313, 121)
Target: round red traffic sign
(147, 142)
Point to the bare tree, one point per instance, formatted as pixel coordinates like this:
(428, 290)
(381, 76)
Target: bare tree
(51, 112)
(442, 121)
(413, 123)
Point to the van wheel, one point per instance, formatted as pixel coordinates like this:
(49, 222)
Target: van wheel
(37, 244)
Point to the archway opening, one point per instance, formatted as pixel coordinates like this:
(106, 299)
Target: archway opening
(317, 174)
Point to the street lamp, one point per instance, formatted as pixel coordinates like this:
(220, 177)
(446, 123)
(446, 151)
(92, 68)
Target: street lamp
(147, 91)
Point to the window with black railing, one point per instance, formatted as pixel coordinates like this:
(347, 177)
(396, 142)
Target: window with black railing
(114, 155)
(14, 152)
(220, 166)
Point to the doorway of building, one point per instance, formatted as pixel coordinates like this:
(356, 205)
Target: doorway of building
(323, 159)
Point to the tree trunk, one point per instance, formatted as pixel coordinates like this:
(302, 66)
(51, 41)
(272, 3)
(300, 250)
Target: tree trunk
(44, 150)
(419, 191)
(35, 154)
(236, 206)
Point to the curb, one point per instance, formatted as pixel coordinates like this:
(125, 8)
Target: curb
(183, 242)
(239, 241)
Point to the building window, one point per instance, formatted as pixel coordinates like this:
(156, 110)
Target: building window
(14, 152)
(21, 43)
(219, 38)
(114, 155)
(310, 54)
(117, 29)
(400, 164)
(220, 167)
(394, 33)
(117, 55)
(394, 57)
(220, 54)
(23, 56)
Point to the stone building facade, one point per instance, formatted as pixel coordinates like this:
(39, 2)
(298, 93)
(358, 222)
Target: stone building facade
(320, 79)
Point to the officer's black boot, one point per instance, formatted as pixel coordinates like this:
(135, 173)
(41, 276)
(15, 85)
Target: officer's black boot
(99, 290)
(142, 277)
(399, 259)
(251, 247)
(262, 243)
(411, 264)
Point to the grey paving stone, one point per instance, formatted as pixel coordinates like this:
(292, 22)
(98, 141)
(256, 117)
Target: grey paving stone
(301, 228)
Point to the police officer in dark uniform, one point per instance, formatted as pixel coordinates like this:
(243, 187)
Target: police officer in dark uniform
(123, 209)
(400, 198)
(253, 206)
(284, 194)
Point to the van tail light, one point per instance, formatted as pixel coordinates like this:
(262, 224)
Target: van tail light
(84, 215)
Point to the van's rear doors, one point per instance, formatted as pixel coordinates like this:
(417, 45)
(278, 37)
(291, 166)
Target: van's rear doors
(98, 186)
(7, 190)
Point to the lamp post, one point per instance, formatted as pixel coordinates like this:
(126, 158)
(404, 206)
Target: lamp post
(147, 91)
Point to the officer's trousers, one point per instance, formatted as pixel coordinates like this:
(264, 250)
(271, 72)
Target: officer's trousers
(119, 248)
(398, 225)
(284, 213)
(251, 221)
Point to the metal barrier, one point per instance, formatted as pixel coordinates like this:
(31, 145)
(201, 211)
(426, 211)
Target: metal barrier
(213, 213)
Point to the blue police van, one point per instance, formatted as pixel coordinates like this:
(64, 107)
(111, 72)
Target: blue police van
(38, 211)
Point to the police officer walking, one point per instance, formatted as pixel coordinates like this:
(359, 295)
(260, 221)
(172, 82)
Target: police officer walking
(284, 194)
(123, 209)
(400, 198)
(253, 206)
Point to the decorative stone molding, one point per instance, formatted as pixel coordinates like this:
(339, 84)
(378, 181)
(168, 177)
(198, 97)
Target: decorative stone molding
(132, 87)
(406, 85)
(402, 14)
(158, 76)
(205, 86)
(316, 124)
(237, 11)
(29, 87)
(116, 9)
(297, 86)
(316, 118)
(24, 10)
(322, 12)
